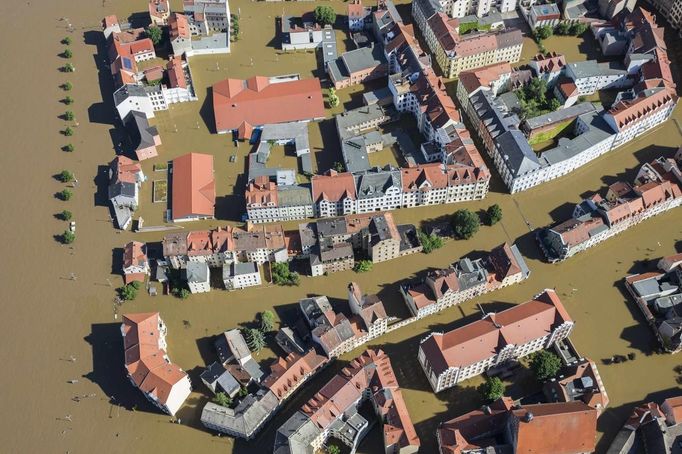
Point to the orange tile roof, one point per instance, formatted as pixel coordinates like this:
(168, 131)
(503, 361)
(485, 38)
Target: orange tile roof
(134, 255)
(124, 170)
(333, 186)
(176, 74)
(193, 191)
(628, 112)
(675, 406)
(179, 26)
(145, 361)
(258, 102)
(483, 77)
(481, 339)
(261, 192)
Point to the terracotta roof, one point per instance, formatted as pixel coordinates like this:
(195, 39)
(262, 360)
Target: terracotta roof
(628, 112)
(199, 243)
(261, 193)
(178, 26)
(108, 21)
(424, 177)
(481, 339)
(124, 170)
(176, 74)
(333, 186)
(193, 191)
(675, 406)
(572, 429)
(550, 62)
(287, 373)
(503, 262)
(483, 77)
(134, 255)
(145, 361)
(259, 102)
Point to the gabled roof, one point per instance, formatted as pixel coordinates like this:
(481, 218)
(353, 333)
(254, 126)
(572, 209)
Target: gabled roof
(333, 186)
(259, 101)
(193, 192)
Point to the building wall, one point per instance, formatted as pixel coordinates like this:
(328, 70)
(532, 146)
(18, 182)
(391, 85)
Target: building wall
(199, 287)
(179, 393)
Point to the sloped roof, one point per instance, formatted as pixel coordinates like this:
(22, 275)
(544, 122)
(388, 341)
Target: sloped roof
(193, 192)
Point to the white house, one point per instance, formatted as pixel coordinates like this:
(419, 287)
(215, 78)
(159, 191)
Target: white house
(198, 277)
(241, 275)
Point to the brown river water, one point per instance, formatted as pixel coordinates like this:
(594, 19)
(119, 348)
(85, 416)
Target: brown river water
(49, 318)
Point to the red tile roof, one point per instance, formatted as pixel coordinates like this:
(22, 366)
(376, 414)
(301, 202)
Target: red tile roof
(629, 112)
(257, 102)
(178, 26)
(483, 77)
(176, 74)
(481, 339)
(261, 193)
(333, 186)
(134, 255)
(193, 191)
(145, 361)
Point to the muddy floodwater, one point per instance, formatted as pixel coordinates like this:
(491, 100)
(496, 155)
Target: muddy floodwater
(63, 386)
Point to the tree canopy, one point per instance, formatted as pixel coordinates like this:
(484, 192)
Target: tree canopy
(492, 389)
(545, 365)
(155, 34)
(222, 399)
(429, 242)
(362, 266)
(494, 214)
(282, 275)
(255, 339)
(465, 224)
(267, 321)
(325, 15)
(65, 176)
(68, 237)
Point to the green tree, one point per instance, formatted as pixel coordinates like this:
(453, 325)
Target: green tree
(68, 115)
(66, 215)
(243, 392)
(494, 214)
(68, 132)
(333, 449)
(65, 176)
(267, 321)
(65, 195)
(554, 104)
(68, 100)
(255, 339)
(545, 365)
(578, 28)
(333, 98)
(66, 86)
(542, 32)
(564, 28)
(68, 237)
(68, 68)
(155, 34)
(184, 293)
(67, 53)
(429, 242)
(69, 147)
(282, 275)
(339, 167)
(465, 223)
(362, 266)
(128, 292)
(325, 15)
(492, 389)
(66, 41)
(536, 90)
(222, 399)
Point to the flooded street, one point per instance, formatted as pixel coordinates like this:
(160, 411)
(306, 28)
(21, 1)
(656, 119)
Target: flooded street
(58, 316)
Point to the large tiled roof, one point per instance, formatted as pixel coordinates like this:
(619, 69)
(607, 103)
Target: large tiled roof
(193, 187)
(258, 101)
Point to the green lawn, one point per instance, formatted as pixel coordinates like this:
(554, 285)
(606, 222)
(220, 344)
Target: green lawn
(160, 190)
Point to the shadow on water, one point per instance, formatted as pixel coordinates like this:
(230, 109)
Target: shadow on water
(614, 417)
(108, 371)
(206, 111)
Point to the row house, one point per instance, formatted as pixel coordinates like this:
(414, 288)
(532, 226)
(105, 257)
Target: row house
(332, 331)
(449, 358)
(369, 308)
(198, 277)
(268, 202)
(455, 53)
(656, 189)
(334, 410)
(466, 279)
(241, 275)
(225, 245)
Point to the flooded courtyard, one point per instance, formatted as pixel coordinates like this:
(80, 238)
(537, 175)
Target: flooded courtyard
(61, 330)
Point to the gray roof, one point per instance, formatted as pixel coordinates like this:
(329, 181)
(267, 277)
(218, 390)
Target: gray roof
(197, 272)
(296, 132)
(592, 68)
(313, 308)
(296, 435)
(348, 124)
(517, 154)
(493, 113)
(123, 214)
(293, 196)
(375, 96)
(330, 252)
(122, 188)
(308, 233)
(127, 91)
(363, 58)
(597, 130)
(215, 41)
(237, 344)
(331, 226)
(212, 372)
(245, 419)
(254, 370)
(428, 7)
(239, 269)
(520, 260)
(354, 152)
(306, 163)
(329, 49)
(141, 133)
(228, 383)
(546, 9)
(560, 115)
(375, 182)
(470, 273)
(289, 341)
